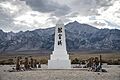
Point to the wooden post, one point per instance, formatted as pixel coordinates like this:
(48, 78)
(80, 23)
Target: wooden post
(18, 64)
(101, 61)
(31, 63)
(26, 63)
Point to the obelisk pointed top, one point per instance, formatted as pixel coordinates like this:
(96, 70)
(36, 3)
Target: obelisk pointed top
(60, 21)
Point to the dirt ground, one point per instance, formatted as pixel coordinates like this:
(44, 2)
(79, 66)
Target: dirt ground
(113, 73)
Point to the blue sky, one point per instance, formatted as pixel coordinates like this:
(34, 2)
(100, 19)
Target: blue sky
(22, 15)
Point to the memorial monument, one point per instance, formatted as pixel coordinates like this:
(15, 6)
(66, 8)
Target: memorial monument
(59, 59)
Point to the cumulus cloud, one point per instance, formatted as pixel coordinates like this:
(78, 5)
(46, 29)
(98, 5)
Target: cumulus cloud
(16, 15)
(8, 10)
(47, 6)
(86, 7)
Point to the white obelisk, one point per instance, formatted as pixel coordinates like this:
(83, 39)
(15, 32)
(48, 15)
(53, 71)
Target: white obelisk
(59, 59)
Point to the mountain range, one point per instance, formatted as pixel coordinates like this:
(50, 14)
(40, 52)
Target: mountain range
(79, 37)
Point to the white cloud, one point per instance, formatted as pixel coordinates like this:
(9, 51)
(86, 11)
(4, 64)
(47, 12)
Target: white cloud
(112, 13)
(109, 17)
(16, 15)
(7, 5)
(32, 19)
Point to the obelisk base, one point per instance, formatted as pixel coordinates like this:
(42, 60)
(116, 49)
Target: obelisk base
(59, 64)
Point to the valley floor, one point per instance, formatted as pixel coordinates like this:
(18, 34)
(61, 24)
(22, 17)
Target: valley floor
(71, 74)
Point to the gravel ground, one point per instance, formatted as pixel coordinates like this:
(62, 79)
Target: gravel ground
(71, 74)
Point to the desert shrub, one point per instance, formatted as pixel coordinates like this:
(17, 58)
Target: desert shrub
(75, 61)
(113, 62)
(83, 61)
(119, 60)
(7, 62)
(2, 62)
(116, 62)
(43, 61)
(104, 61)
(20, 57)
(10, 61)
